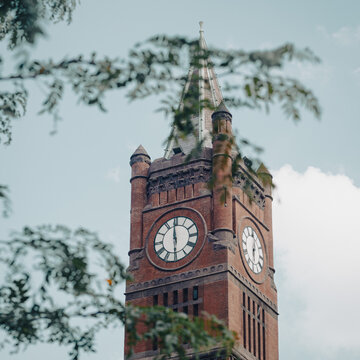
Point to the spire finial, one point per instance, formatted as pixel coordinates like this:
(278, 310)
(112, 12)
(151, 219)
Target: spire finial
(201, 23)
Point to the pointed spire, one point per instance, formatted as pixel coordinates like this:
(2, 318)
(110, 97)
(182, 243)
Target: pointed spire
(209, 92)
(222, 108)
(140, 151)
(264, 175)
(140, 155)
(262, 169)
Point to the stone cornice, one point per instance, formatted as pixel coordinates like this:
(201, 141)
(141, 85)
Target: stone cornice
(236, 198)
(247, 184)
(199, 273)
(176, 178)
(200, 171)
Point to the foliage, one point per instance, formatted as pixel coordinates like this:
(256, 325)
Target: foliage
(158, 66)
(22, 21)
(5, 198)
(63, 286)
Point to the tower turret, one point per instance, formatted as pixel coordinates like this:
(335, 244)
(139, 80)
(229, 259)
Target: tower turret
(140, 163)
(221, 175)
(266, 179)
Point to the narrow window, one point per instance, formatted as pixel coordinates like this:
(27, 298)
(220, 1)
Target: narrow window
(195, 292)
(155, 344)
(186, 309)
(264, 335)
(175, 297)
(166, 299)
(155, 341)
(259, 340)
(196, 310)
(155, 300)
(258, 330)
(185, 295)
(249, 325)
(244, 320)
(244, 328)
(254, 336)
(254, 328)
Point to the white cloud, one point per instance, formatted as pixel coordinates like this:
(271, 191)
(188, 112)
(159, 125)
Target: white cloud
(346, 35)
(317, 240)
(310, 72)
(115, 174)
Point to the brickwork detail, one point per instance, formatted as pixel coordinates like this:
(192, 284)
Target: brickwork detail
(201, 173)
(135, 256)
(192, 274)
(177, 179)
(219, 244)
(241, 180)
(177, 277)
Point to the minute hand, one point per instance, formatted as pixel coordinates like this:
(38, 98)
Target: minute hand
(175, 239)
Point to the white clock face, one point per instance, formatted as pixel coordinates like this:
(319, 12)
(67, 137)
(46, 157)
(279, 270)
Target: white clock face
(252, 249)
(175, 239)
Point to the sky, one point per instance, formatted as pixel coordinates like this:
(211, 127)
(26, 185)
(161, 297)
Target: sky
(80, 176)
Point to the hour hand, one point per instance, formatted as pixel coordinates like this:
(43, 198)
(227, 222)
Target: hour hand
(174, 239)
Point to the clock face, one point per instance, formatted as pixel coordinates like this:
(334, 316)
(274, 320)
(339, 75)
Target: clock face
(252, 249)
(175, 239)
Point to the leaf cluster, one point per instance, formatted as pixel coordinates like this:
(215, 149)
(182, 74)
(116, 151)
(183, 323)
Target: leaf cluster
(62, 286)
(22, 21)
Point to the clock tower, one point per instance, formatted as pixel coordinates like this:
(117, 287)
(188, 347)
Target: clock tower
(193, 249)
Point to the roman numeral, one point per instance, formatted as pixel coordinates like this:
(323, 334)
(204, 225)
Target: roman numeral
(167, 256)
(245, 251)
(176, 221)
(175, 256)
(167, 225)
(161, 251)
(194, 234)
(191, 244)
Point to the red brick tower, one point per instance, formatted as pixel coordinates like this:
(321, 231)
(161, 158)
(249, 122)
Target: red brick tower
(197, 250)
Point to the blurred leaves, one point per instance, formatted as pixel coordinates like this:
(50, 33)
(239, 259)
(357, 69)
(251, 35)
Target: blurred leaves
(23, 21)
(158, 66)
(62, 286)
(5, 199)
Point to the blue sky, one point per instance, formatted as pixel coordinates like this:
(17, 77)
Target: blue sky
(81, 175)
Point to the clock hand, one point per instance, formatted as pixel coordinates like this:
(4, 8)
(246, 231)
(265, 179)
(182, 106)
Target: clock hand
(175, 239)
(253, 251)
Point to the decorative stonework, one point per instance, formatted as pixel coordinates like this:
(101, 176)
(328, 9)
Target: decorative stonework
(178, 178)
(192, 274)
(248, 185)
(171, 178)
(177, 277)
(253, 288)
(271, 272)
(134, 256)
(222, 239)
